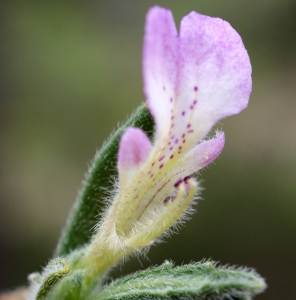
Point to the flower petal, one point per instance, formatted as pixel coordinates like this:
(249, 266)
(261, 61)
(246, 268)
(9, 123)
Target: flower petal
(133, 153)
(192, 80)
(214, 72)
(159, 67)
(203, 154)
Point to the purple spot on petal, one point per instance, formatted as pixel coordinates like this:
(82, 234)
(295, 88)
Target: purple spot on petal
(194, 102)
(167, 199)
(161, 158)
(176, 141)
(163, 88)
(189, 125)
(178, 182)
(183, 113)
(171, 156)
(183, 135)
(184, 141)
(180, 148)
(160, 166)
(191, 106)
(171, 148)
(171, 99)
(195, 88)
(190, 131)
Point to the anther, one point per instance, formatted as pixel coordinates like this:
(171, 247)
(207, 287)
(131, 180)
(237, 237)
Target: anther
(186, 179)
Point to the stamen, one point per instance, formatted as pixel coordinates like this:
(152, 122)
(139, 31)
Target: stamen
(186, 179)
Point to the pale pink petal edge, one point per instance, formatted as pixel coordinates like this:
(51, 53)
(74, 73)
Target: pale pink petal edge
(204, 153)
(134, 151)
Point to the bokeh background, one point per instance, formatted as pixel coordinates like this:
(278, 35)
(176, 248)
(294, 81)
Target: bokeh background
(71, 70)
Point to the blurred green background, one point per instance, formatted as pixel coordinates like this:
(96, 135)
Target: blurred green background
(71, 70)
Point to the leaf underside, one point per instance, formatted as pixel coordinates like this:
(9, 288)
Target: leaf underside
(195, 281)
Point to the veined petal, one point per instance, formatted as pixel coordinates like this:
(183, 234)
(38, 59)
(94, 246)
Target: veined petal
(160, 67)
(203, 154)
(214, 73)
(134, 151)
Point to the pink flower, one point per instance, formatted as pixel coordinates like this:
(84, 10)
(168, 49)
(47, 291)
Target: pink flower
(191, 81)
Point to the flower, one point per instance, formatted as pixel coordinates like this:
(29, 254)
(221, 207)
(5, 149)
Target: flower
(191, 81)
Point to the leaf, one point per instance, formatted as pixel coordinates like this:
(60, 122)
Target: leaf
(98, 181)
(195, 281)
(42, 284)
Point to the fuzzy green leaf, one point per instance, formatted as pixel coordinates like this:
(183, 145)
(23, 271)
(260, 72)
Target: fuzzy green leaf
(195, 281)
(84, 214)
(42, 284)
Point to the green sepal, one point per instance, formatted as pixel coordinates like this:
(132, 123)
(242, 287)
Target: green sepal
(195, 281)
(42, 284)
(98, 181)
